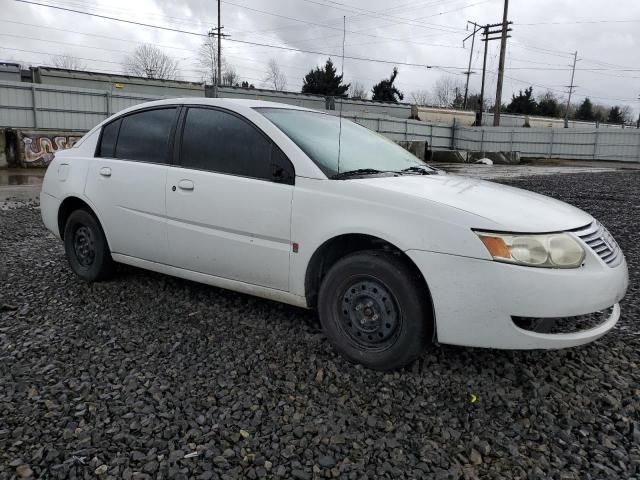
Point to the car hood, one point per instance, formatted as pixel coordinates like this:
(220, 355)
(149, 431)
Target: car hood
(507, 208)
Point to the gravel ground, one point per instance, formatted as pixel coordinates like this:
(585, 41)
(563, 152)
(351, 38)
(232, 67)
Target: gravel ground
(148, 376)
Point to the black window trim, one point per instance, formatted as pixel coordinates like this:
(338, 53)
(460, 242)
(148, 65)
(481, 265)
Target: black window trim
(172, 134)
(180, 135)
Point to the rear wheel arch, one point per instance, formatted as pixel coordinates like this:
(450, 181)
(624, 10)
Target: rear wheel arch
(70, 205)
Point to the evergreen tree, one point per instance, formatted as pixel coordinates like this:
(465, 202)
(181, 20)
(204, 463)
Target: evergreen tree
(324, 81)
(385, 91)
(524, 103)
(585, 111)
(615, 115)
(548, 105)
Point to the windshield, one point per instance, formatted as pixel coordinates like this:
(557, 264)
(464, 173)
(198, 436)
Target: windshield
(361, 149)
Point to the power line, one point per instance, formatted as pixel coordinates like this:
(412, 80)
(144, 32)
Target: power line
(383, 15)
(577, 22)
(244, 42)
(186, 32)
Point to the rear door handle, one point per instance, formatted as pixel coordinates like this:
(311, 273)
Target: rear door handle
(105, 171)
(186, 185)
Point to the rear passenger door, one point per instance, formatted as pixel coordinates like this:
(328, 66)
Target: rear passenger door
(127, 179)
(229, 200)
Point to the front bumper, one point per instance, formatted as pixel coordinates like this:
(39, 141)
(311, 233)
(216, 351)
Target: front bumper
(474, 300)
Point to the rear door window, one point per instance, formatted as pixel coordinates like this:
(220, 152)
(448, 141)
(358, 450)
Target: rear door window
(145, 136)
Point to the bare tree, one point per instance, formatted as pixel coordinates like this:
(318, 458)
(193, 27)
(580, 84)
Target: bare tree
(421, 97)
(207, 60)
(627, 114)
(230, 77)
(358, 90)
(446, 90)
(68, 62)
(275, 76)
(151, 62)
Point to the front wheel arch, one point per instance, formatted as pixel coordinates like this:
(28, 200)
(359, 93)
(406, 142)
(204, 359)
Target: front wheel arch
(336, 248)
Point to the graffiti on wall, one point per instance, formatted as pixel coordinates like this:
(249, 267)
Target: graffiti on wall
(40, 148)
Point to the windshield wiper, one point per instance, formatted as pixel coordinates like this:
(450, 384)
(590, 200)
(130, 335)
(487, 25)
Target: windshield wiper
(420, 170)
(355, 173)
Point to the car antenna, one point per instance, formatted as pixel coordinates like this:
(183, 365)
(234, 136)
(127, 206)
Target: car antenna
(344, 34)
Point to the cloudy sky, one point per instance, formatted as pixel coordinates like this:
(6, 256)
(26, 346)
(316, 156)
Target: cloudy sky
(428, 32)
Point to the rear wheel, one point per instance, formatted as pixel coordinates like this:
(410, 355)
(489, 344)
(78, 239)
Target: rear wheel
(86, 247)
(374, 310)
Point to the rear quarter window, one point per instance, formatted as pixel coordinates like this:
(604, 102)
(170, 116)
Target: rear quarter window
(108, 139)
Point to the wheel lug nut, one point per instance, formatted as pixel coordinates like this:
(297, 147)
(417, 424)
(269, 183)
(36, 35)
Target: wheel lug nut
(375, 317)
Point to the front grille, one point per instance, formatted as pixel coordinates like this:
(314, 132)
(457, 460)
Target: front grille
(601, 242)
(563, 324)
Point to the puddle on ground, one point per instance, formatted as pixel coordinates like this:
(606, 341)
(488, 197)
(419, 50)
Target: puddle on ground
(10, 180)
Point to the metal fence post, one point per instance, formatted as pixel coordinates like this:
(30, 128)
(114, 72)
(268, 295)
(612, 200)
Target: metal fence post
(595, 144)
(551, 143)
(453, 134)
(378, 125)
(431, 135)
(511, 140)
(107, 97)
(406, 130)
(34, 106)
(482, 140)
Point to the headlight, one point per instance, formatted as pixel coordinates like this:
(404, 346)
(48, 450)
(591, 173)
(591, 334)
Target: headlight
(553, 250)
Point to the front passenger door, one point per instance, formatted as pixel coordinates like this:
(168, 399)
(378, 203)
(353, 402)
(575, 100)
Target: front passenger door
(229, 201)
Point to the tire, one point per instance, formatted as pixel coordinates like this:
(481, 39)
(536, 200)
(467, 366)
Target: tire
(86, 247)
(374, 310)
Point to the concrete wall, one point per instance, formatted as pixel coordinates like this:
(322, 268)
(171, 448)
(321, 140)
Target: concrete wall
(36, 148)
(33, 148)
(467, 118)
(446, 116)
(317, 102)
(10, 72)
(117, 84)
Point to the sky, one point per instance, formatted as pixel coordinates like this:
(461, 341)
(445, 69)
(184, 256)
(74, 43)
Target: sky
(421, 33)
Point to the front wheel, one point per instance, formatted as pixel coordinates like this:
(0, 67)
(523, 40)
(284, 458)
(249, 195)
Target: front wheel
(86, 247)
(375, 310)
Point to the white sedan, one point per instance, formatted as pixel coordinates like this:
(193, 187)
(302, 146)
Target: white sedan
(300, 207)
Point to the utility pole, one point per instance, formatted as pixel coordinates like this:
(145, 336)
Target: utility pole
(489, 35)
(476, 29)
(503, 54)
(219, 76)
(571, 87)
(484, 72)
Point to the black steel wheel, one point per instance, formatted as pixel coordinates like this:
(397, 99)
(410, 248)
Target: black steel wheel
(86, 247)
(370, 315)
(375, 310)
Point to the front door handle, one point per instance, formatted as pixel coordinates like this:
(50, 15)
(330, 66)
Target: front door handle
(105, 171)
(186, 185)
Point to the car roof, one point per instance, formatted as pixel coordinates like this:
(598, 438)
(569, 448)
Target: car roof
(235, 104)
(232, 103)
